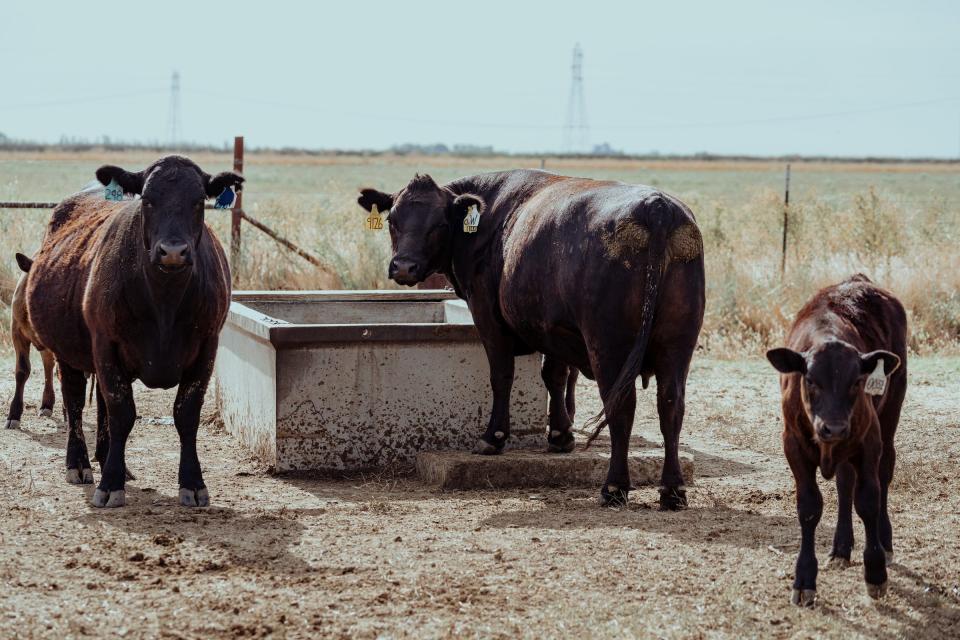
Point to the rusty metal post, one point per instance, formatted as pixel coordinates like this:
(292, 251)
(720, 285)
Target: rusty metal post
(236, 216)
(786, 222)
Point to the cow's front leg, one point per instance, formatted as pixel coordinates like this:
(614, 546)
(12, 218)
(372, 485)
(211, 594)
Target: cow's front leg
(116, 393)
(809, 511)
(500, 357)
(555, 376)
(186, 417)
(867, 502)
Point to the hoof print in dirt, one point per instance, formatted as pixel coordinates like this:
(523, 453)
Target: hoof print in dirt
(876, 591)
(673, 499)
(613, 496)
(484, 448)
(194, 497)
(838, 563)
(564, 442)
(12, 424)
(109, 499)
(45, 413)
(804, 597)
(80, 476)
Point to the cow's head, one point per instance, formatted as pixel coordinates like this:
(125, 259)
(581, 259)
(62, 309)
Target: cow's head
(173, 191)
(422, 218)
(832, 377)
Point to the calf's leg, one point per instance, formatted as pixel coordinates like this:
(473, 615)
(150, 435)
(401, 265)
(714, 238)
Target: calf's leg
(73, 385)
(867, 503)
(809, 510)
(48, 398)
(843, 536)
(21, 374)
(555, 376)
(186, 417)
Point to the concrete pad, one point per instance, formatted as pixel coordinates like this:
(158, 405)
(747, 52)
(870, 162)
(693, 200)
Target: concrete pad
(526, 468)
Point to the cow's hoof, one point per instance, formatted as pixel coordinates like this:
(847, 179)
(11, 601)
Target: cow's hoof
(194, 497)
(109, 499)
(45, 412)
(613, 496)
(837, 563)
(80, 476)
(889, 556)
(12, 424)
(673, 498)
(876, 591)
(561, 442)
(484, 448)
(804, 597)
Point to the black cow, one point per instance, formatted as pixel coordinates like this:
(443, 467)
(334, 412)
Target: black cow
(601, 276)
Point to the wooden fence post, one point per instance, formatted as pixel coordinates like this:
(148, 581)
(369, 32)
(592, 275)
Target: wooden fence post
(236, 216)
(786, 222)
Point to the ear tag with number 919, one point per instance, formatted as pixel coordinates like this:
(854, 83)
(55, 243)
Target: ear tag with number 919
(877, 381)
(374, 220)
(472, 221)
(113, 191)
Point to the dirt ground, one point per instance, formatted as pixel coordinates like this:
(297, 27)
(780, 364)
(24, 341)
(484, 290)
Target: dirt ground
(385, 556)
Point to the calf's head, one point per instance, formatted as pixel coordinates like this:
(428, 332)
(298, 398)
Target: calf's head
(423, 218)
(173, 191)
(832, 377)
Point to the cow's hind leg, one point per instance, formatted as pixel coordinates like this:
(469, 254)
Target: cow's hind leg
(48, 398)
(843, 536)
(21, 374)
(571, 396)
(671, 373)
(73, 386)
(555, 376)
(616, 488)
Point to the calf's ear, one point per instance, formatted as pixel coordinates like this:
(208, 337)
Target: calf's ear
(868, 362)
(214, 186)
(787, 360)
(128, 181)
(24, 262)
(370, 197)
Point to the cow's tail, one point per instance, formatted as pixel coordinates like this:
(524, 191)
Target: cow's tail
(626, 380)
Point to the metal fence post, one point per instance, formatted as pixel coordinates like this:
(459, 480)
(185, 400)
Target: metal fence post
(236, 213)
(786, 221)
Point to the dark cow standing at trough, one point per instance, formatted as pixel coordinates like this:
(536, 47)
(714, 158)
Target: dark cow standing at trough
(603, 277)
(23, 337)
(135, 289)
(844, 376)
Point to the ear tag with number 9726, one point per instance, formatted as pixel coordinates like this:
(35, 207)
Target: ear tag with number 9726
(472, 221)
(113, 191)
(877, 381)
(374, 220)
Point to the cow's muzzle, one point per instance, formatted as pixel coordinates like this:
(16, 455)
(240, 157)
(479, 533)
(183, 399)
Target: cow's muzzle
(832, 431)
(172, 257)
(403, 271)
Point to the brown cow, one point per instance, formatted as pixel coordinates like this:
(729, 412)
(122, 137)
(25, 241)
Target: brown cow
(135, 289)
(844, 376)
(23, 338)
(604, 277)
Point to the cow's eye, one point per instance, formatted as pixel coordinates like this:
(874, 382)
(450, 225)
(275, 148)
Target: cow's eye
(812, 386)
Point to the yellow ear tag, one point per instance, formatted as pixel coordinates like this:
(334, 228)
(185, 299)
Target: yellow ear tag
(472, 221)
(374, 220)
(877, 381)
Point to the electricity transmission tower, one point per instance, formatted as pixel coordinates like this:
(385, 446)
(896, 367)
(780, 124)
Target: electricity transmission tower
(576, 133)
(174, 133)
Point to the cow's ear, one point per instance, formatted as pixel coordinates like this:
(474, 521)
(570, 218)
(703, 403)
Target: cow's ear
(370, 197)
(868, 362)
(787, 360)
(463, 202)
(128, 181)
(24, 262)
(214, 186)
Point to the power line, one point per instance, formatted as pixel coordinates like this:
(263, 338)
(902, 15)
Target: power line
(72, 101)
(576, 133)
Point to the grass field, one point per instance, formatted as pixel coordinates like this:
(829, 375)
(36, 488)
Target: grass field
(898, 223)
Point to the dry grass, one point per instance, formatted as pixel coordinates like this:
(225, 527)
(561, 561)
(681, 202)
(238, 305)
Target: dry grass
(896, 223)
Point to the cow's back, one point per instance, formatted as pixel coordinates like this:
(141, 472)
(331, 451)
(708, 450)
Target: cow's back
(58, 278)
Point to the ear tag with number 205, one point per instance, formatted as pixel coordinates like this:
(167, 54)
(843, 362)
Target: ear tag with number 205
(472, 221)
(113, 191)
(877, 381)
(374, 220)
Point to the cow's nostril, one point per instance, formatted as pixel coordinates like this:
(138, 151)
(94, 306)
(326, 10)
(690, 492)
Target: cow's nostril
(162, 251)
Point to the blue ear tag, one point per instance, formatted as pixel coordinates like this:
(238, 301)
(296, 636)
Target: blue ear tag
(225, 199)
(113, 191)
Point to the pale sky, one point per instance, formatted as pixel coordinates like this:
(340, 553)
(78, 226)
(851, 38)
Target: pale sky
(757, 77)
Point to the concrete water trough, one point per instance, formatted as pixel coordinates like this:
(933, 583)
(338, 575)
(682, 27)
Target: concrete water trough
(349, 380)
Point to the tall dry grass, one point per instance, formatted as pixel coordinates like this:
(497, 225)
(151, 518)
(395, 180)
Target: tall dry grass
(899, 225)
